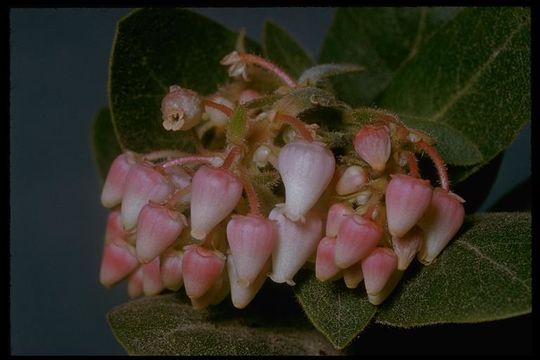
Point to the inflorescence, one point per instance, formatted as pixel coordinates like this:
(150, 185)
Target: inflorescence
(210, 221)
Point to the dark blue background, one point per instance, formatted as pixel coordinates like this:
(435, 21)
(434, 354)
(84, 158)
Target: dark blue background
(59, 69)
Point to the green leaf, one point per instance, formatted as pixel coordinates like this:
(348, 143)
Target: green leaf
(156, 48)
(236, 130)
(167, 325)
(104, 142)
(473, 76)
(281, 48)
(383, 40)
(337, 312)
(483, 275)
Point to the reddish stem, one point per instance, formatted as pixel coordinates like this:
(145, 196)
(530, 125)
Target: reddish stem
(296, 123)
(188, 159)
(412, 163)
(233, 153)
(254, 59)
(161, 154)
(253, 200)
(223, 108)
(437, 161)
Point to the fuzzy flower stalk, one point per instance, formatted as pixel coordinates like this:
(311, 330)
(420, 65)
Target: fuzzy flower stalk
(265, 195)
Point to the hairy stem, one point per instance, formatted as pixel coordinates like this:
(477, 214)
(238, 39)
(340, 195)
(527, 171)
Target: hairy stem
(279, 72)
(437, 161)
(297, 124)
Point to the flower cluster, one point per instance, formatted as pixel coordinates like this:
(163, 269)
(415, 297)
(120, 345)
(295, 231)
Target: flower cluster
(216, 222)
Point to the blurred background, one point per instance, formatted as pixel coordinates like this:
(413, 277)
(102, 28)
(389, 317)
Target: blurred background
(58, 80)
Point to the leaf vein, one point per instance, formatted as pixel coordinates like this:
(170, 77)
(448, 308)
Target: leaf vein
(477, 74)
(513, 276)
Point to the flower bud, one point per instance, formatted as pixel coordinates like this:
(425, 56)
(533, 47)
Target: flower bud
(113, 189)
(143, 184)
(201, 268)
(135, 284)
(352, 180)
(152, 284)
(440, 223)
(171, 270)
(325, 267)
(261, 155)
(296, 242)
(378, 268)
(251, 239)
(214, 194)
(407, 198)
(157, 229)
(407, 246)
(374, 145)
(356, 238)
(117, 262)
(247, 96)
(181, 109)
(336, 214)
(353, 275)
(215, 116)
(242, 295)
(306, 170)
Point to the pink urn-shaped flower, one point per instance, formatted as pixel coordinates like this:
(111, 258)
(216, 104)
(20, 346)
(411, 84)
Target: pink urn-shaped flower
(113, 189)
(171, 270)
(157, 229)
(296, 242)
(117, 262)
(336, 215)
(214, 195)
(143, 184)
(356, 238)
(152, 283)
(201, 268)
(241, 295)
(407, 247)
(407, 198)
(374, 145)
(325, 266)
(251, 240)
(378, 268)
(440, 223)
(353, 275)
(306, 170)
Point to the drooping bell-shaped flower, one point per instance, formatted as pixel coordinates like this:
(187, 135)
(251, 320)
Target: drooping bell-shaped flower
(178, 177)
(296, 242)
(407, 246)
(378, 268)
(152, 284)
(251, 239)
(135, 284)
(440, 223)
(242, 295)
(113, 189)
(374, 145)
(407, 198)
(143, 184)
(157, 228)
(353, 275)
(214, 194)
(118, 261)
(201, 268)
(171, 270)
(181, 109)
(356, 238)
(352, 180)
(325, 266)
(306, 170)
(336, 214)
